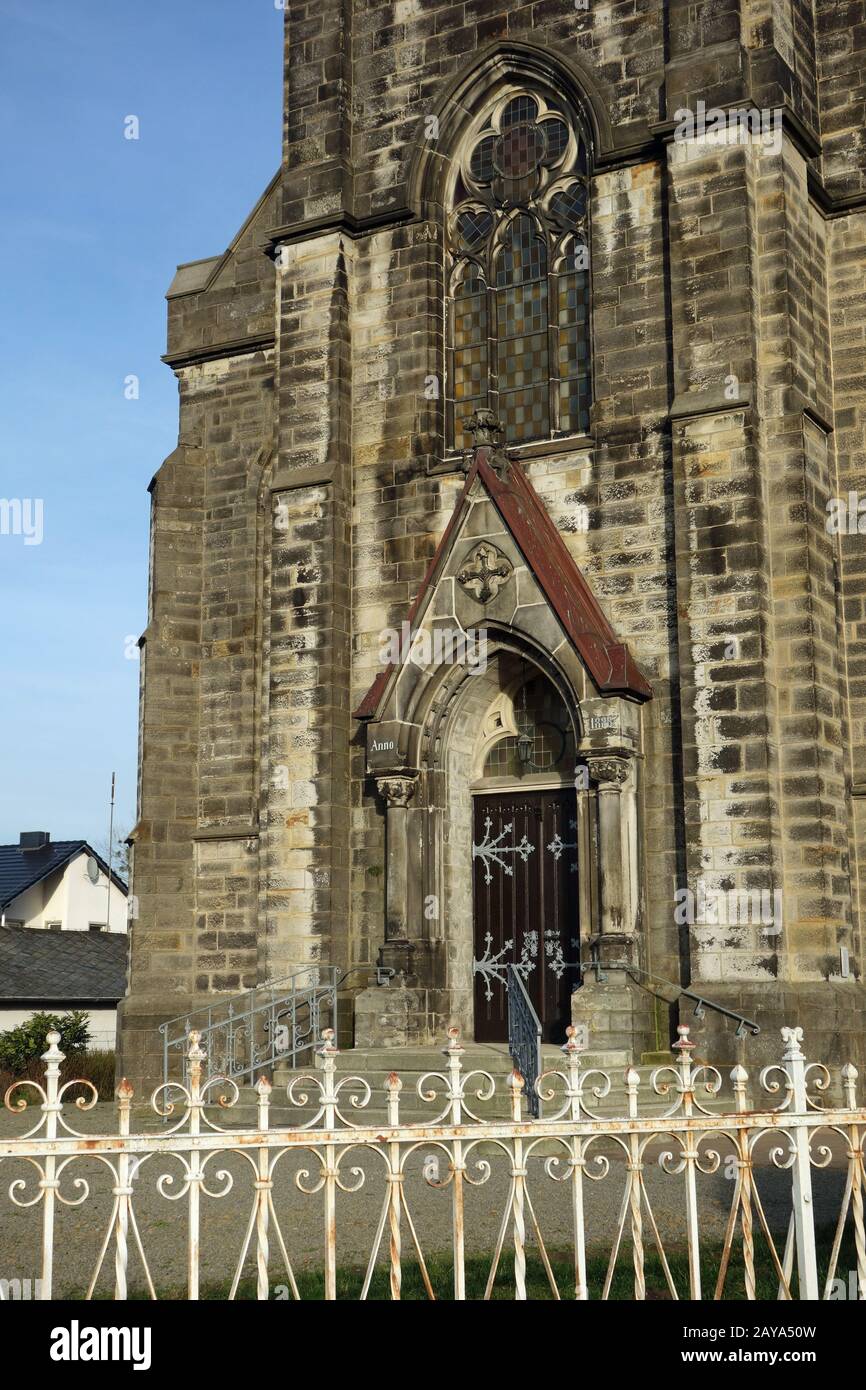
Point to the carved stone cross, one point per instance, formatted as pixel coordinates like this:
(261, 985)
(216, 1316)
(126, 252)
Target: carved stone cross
(485, 572)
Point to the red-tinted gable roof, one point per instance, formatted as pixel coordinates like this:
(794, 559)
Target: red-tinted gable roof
(609, 661)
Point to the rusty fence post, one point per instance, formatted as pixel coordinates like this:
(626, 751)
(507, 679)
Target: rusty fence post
(454, 1055)
(801, 1189)
(51, 1108)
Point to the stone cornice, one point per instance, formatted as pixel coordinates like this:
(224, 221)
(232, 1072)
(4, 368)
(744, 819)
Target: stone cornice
(343, 222)
(801, 135)
(834, 205)
(226, 832)
(347, 224)
(688, 404)
(232, 347)
(286, 479)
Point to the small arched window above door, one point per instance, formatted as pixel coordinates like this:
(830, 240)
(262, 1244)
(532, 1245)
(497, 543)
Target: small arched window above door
(518, 287)
(543, 742)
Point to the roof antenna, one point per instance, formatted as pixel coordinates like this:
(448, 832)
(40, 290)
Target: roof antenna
(110, 851)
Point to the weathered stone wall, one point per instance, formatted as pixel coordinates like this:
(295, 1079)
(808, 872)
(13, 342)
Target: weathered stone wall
(312, 483)
(195, 851)
(841, 49)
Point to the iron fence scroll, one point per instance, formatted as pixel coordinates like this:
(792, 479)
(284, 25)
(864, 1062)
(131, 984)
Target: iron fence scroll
(585, 1139)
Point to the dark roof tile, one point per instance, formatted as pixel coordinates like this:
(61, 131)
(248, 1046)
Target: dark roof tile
(21, 868)
(52, 966)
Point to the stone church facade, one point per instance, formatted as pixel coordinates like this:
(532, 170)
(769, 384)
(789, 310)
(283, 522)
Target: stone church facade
(507, 591)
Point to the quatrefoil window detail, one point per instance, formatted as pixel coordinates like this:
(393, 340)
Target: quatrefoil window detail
(484, 572)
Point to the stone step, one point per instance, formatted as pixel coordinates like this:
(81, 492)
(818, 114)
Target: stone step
(375, 1116)
(376, 1064)
(414, 1110)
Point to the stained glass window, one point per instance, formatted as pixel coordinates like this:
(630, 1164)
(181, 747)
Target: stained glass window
(522, 337)
(481, 160)
(519, 277)
(573, 339)
(469, 355)
(548, 741)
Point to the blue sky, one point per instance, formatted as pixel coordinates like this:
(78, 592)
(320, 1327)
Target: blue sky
(92, 228)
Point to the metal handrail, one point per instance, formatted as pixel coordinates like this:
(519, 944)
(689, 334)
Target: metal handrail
(278, 1021)
(275, 1022)
(282, 980)
(524, 1038)
(700, 1001)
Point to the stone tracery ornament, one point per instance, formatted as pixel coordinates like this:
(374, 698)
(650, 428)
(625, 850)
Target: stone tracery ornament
(518, 238)
(530, 153)
(484, 572)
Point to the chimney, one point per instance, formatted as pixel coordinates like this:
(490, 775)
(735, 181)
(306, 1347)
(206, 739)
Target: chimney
(34, 839)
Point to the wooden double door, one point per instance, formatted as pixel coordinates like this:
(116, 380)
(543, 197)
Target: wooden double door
(524, 878)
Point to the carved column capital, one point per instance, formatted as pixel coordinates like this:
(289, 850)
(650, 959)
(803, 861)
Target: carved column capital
(608, 771)
(397, 791)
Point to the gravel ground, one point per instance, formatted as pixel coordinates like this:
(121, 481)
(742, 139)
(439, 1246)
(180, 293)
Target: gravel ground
(80, 1230)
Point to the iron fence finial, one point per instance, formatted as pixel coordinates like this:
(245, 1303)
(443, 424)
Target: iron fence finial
(53, 1053)
(792, 1037)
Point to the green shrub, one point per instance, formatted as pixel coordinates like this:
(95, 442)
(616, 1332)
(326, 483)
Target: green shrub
(24, 1044)
(96, 1067)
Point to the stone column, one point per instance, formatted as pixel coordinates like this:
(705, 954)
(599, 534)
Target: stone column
(397, 793)
(616, 1010)
(394, 1012)
(615, 930)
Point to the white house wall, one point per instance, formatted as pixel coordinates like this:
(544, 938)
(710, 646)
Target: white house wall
(103, 1022)
(70, 898)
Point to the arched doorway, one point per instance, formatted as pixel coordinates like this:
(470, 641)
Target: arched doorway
(526, 858)
(437, 742)
(512, 800)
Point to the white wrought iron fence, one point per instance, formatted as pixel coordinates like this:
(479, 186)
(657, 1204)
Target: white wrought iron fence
(669, 1125)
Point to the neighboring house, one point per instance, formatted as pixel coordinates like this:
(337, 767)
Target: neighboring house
(57, 971)
(60, 886)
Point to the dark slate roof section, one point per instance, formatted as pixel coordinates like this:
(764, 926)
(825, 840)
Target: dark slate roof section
(21, 868)
(51, 967)
(609, 661)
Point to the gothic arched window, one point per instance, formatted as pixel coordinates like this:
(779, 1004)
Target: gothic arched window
(518, 310)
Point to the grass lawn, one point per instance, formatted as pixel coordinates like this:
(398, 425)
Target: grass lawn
(439, 1268)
